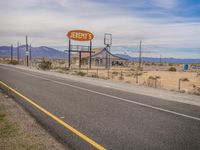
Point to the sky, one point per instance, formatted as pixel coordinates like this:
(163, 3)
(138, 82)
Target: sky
(167, 28)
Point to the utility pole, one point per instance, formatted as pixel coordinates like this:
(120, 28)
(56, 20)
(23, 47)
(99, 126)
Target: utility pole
(30, 50)
(18, 52)
(140, 55)
(27, 51)
(11, 53)
(160, 59)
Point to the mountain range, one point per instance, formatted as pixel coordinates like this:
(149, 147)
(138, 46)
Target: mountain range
(167, 60)
(36, 52)
(47, 52)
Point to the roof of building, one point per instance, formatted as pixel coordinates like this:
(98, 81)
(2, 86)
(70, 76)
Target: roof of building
(85, 54)
(98, 53)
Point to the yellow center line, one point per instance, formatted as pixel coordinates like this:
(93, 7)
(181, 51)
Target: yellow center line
(67, 126)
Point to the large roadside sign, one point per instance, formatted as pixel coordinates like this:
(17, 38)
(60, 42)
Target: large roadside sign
(80, 35)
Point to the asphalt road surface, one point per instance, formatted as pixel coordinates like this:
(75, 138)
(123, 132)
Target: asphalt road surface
(110, 118)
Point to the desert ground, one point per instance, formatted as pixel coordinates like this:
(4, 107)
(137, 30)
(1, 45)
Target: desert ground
(155, 75)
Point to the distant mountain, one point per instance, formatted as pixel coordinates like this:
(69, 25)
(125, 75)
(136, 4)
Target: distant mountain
(36, 52)
(168, 60)
(47, 52)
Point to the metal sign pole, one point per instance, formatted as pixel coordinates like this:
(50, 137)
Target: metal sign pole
(90, 54)
(108, 43)
(108, 57)
(80, 60)
(69, 54)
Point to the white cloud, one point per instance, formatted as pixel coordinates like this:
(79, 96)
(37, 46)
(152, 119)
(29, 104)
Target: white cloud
(47, 21)
(167, 4)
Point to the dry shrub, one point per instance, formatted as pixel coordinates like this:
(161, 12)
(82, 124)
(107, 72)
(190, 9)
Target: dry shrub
(61, 62)
(13, 62)
(121, 78)
(184, 79)
(173, 69)
(80, 73)
(196, 90)
(152, 81)
(45, 65)
(115, 73)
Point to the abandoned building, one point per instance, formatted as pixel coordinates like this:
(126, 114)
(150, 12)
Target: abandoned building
(100, 57)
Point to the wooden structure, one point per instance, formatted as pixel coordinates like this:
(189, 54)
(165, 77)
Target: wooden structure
(98, 58)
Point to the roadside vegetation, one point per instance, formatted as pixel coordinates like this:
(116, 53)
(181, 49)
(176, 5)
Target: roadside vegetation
(19, 131)
(173, 69)
(13, 62)
(45, 65)
(7, 128)
(80, 73)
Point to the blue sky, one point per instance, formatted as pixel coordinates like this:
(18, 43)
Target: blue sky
(170, 28)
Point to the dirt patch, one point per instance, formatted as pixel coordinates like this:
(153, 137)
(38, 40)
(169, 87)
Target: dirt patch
(19, 131)
(157, 79)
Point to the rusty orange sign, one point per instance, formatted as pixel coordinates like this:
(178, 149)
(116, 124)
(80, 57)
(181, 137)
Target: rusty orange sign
(80, 35)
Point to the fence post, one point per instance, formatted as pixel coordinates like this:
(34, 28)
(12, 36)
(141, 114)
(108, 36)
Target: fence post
(97, 72)
(87, 71)
(136, 78)
(108, 73)
(179, 84)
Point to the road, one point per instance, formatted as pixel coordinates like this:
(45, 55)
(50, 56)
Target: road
(110, 118)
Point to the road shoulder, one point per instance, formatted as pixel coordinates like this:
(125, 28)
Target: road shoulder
(19, 130)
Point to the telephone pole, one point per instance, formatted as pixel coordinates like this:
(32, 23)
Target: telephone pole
(30, 50)
(27, 51)
(140, 55)
(11, 53)
(160, 59)
(18, 52)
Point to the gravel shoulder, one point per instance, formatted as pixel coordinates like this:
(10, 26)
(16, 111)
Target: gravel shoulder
(20, 131)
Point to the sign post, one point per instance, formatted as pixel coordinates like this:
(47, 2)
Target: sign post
(69, 54)
(108, 43)
(90, 54)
